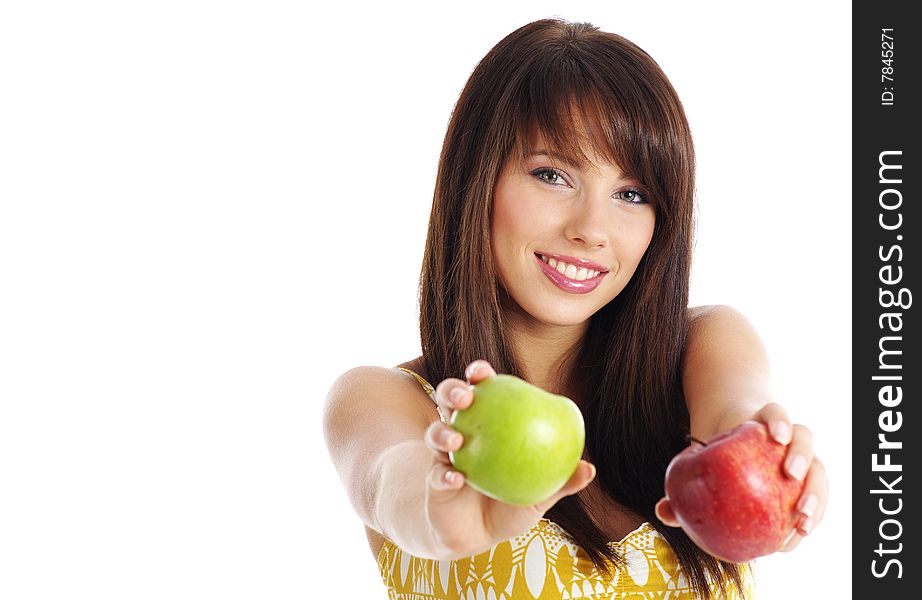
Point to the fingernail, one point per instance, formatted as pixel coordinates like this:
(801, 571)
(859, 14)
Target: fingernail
(798, 467)
(472, 369)
(806, 526)
(448, 437)
(808, 505)
(450, 477)
(781, 431)
(455, 395)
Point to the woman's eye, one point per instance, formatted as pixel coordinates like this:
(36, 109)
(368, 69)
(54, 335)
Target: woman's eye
(551, 176)
(631, 196)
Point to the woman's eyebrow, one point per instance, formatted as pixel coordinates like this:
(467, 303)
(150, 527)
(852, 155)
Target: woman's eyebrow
(550, 155)
(623, 177)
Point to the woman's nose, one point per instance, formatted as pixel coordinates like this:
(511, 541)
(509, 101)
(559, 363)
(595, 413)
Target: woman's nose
(586, 223)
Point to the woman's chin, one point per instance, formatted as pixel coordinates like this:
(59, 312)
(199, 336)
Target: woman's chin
(541, 308)
(563, 317)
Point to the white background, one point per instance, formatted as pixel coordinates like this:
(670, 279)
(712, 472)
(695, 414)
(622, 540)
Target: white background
(211, 209)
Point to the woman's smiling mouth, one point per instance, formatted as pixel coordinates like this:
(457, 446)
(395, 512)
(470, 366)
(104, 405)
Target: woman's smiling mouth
(573, 275)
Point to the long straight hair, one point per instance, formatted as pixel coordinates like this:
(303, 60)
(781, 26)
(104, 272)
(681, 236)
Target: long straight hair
(563, 78)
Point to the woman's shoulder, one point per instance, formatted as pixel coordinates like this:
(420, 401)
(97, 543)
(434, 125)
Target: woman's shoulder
(363, 398)
(375, 374)
(370, 377)
(360, 383)
(714, 317)
(710, 311)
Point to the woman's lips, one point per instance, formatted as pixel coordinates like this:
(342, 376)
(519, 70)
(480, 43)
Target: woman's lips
(571, 285)
(572, 260)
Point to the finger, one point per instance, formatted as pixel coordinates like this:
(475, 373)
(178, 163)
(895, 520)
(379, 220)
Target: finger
(800, 453)
(664, 513)
(583, 476)
(442, 478)
(812, 503)
(778, 422)
(442, 439)
(453, 394)
(810, 506)
(793, 540)
(478, 370)
(803, 527)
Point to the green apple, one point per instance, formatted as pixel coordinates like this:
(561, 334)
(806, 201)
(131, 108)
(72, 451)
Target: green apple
(521, 443)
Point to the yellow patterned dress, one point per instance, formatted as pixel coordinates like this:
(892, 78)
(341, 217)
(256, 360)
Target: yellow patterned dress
(542, 564)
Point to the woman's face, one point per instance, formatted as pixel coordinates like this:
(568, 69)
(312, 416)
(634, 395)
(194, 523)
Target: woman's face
(566, 241)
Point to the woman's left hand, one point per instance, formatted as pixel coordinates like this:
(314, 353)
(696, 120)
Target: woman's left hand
(799, 463)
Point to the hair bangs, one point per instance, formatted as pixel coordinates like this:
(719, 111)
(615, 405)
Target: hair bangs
(582, 123)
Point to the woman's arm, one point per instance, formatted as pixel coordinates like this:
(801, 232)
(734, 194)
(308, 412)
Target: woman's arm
(725, 377)
(391, 452)
(374, 422)
(725, 374)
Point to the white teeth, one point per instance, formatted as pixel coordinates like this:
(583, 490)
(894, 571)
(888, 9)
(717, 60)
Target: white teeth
(570, 271)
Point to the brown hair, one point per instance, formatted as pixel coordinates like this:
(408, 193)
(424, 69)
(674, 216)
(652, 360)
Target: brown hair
(563, 78)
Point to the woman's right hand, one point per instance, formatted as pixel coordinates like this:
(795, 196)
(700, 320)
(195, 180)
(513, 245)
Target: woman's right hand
(462, 520)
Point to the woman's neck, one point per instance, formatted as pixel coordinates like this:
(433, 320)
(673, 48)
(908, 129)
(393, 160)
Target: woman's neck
(545, 352)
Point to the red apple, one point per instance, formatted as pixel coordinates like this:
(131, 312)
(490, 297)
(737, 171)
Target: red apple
(731, 495)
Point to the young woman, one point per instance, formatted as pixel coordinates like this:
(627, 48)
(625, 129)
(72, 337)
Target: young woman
(559, 250)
